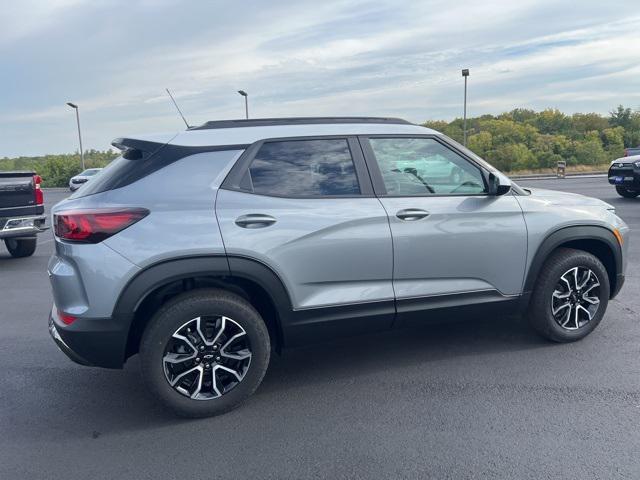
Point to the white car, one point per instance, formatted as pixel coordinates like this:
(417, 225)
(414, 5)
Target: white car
(82, 178)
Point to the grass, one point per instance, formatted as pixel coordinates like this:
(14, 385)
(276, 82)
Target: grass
(570, 169)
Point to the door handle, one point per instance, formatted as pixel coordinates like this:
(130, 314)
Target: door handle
(412, 214)
(255, 220)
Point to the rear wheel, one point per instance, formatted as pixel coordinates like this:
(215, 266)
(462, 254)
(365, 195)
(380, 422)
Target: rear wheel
(21, 247)
(627, 192)
(204, 352)
(570, 296)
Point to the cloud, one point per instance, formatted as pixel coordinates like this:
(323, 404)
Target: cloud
(301, 58)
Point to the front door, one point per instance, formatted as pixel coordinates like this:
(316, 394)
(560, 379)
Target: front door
(454, 244)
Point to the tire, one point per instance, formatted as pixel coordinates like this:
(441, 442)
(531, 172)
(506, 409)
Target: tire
(21, 247)
(627, 193)
(159, 342)
(550, 292)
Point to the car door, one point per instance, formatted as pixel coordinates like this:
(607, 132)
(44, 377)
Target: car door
(454, 244)
(305, 207)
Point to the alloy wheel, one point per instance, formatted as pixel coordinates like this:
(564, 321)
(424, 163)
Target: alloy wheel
(207, 357)
(576, 298)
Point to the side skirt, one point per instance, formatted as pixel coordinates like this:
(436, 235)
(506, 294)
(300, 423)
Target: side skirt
(318, 324)
(455, 307)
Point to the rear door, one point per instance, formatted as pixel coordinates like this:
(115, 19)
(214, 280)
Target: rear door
(454, 244)
(305, 207)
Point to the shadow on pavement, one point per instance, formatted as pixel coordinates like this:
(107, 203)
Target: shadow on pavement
(89, 402)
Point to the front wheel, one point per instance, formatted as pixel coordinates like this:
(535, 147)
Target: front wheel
(204, 352)
(21, 247)
(627, 192)
(570, 296)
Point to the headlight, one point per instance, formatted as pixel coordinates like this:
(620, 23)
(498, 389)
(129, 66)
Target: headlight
(637, 164)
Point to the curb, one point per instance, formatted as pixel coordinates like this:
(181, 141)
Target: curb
(550, 176)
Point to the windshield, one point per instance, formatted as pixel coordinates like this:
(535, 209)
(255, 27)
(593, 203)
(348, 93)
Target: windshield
(90, 172)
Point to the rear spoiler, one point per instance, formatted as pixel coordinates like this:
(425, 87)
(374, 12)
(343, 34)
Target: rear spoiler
(134, 149)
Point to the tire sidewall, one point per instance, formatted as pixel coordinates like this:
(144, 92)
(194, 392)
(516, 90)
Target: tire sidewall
(21, 247)
(182, 309)
(545, 291)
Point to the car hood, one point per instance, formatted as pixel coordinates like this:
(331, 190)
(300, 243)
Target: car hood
(555, 197)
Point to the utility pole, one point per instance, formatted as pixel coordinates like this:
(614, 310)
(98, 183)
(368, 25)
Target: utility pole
(75, 107)
(465, 74)
(246, 103)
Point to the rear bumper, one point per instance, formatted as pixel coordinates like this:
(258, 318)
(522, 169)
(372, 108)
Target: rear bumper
(98, 342)
(27, 226)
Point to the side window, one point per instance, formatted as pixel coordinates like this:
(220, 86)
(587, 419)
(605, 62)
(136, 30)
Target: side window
(423, 166)
(300, 168)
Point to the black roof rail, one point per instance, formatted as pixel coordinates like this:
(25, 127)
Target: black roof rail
(268, 122)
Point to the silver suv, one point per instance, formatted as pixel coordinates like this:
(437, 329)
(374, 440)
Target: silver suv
(206, 250)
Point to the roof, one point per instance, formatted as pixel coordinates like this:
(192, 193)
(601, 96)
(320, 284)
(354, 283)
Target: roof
(246, 132)
(269, 122)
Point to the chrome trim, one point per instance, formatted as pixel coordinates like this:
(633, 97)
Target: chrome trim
(32, 228)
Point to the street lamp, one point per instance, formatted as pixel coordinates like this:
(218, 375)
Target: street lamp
(465, 74)
(246, 103)
(75, 107)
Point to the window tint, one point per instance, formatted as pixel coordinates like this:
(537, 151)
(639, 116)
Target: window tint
(423, 166)
(303, 168)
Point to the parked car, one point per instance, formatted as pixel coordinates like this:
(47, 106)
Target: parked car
(206, 251)
(21, 212)
(82, 178)
(624, 173)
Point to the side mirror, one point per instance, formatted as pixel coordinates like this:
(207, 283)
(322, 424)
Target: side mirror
(496, 187)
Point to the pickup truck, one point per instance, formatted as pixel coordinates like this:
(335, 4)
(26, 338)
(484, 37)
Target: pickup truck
(21, 212)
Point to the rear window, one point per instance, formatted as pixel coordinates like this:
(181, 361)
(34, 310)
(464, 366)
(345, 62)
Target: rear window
(107, 177)
(122, 172)
(303, 168)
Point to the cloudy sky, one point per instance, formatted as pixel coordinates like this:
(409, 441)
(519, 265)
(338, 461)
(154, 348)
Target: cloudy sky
(343, 57)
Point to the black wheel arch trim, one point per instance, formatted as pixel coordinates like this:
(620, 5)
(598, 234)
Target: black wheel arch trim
(221, 266)
(574, 233)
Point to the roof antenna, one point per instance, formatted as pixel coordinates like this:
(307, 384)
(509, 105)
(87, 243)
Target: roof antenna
(178, 108)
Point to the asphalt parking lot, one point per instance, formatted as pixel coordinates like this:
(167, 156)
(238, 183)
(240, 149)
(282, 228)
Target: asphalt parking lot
(486, 398)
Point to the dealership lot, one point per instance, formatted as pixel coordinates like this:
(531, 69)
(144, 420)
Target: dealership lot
(484, 398)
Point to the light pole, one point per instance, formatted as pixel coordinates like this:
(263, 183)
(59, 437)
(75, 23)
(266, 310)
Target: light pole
(465, 74)
(75, 107)
(246, 103)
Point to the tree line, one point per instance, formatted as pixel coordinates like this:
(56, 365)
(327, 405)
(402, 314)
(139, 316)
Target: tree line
(56, 170)
(521, 139)
(524, 139)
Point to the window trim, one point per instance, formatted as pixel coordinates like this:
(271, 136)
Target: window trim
(237, 172)
(376, 175)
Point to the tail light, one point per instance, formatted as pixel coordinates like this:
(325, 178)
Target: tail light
(37, 180)
(94, 226)
(64, 317)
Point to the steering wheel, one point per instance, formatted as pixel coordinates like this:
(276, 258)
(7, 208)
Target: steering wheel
(414, 173)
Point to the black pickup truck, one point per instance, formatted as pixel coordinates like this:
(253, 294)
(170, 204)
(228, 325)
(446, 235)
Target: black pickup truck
(21, 211)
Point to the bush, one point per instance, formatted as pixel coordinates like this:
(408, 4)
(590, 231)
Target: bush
(526, 139)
